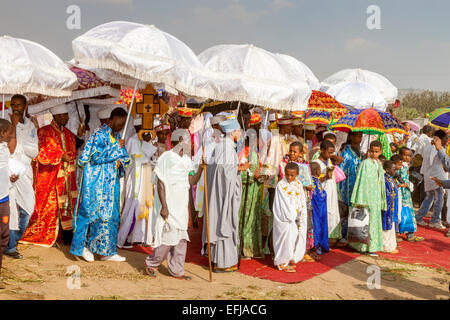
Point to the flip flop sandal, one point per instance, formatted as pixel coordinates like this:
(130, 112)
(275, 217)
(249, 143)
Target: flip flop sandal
(416, 239)
(183, 277)
(308, 258)
(288, 269)
(227, 270)
(151, 271)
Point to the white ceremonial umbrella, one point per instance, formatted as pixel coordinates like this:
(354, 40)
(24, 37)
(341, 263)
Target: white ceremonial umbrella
(383, 85)
(144, 53)
(258, 77)
(299, 68)
(30, 69)
(357, 95)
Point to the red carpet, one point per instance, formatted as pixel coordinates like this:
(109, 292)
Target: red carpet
(264, 268)
(433, 252)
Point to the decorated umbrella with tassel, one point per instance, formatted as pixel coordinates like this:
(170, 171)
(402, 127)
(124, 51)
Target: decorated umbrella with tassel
(322, 109)
(369, 121)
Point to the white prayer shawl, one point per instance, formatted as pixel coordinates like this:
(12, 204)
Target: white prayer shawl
(138, 202)
(289, 240)
(22, 192)
(332, 198)
(173, 171)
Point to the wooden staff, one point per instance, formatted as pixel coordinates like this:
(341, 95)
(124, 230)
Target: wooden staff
(207, 216)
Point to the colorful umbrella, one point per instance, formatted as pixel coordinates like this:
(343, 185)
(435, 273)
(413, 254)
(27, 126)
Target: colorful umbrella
(321, 101)
(319, 117)
(322, 109)
(128, 93)
(440, 118)
(369, 121)
(414, 126)
(89, 86)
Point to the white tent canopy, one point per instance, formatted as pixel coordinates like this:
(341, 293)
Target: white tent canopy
(380, 83)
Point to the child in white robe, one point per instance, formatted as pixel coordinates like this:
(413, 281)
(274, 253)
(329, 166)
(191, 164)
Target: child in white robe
(289, 220)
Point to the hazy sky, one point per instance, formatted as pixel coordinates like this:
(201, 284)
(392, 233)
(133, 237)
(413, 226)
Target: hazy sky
(412, 49)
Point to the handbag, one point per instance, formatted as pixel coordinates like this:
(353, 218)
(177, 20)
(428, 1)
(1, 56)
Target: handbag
(339, 174)
(358, 226)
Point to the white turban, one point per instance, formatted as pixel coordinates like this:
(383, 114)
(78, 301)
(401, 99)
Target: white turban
(104, 113)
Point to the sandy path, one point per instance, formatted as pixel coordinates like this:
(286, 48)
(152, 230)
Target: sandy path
(42, 275)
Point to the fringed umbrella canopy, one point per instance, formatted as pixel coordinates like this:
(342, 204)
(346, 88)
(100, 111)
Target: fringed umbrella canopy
(369, 121)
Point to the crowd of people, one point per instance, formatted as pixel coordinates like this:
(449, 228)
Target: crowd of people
(261, 185)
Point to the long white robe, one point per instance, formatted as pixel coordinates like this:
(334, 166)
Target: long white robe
(135, 224)
(173, 170)
(22, 192)
(332, 198)
(289, 240)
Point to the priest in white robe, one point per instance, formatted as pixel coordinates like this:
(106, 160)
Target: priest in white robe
(135, 224)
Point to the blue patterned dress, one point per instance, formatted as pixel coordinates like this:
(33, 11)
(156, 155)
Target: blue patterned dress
(350, 166)
(320, 215)
(390, 215)
(97, 213)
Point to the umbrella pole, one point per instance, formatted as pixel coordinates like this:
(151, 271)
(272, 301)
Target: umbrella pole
(207, 216)
(3, 106)
(130, 109)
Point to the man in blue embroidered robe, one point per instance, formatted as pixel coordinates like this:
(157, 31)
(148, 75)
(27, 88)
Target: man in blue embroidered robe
(97, 213)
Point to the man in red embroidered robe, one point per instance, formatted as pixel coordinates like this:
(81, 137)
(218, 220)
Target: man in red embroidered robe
(56, 189)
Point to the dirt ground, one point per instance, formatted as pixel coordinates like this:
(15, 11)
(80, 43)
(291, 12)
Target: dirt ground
(44, 274)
